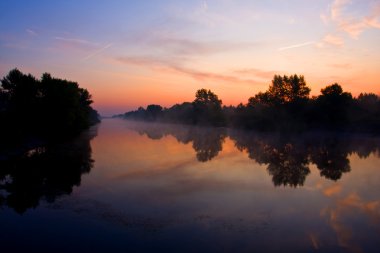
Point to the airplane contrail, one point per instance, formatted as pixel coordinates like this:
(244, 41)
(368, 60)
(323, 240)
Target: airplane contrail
(296, 46)
(97, 52)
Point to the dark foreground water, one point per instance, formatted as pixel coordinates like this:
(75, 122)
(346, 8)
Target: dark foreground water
(133, 187)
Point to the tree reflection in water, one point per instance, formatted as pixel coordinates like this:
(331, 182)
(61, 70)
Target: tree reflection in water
(287, 157)
(45, 172)
(287, 160)
(207, 141)
(331, 157)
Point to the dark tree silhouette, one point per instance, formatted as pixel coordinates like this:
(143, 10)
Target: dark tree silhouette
(49, 108)
(285, 106)
(333, 107)
(287, 89)
(282, 106)
(208, 108)
(153, 111)
(365, 114)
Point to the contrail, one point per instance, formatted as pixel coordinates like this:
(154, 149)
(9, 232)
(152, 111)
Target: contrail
(74, 40)
(31, 32)
(97, 52)
(297, 45)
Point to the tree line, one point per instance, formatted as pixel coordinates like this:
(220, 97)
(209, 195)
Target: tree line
(285, 105)
(46, 108)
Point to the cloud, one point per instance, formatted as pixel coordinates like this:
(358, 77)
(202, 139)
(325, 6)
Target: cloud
(257, 73)
(333, 190)
(297, 46)
(145, 61)
(192, 47)
(291, 21)
(200, 14)
(325, 19)
(171, 66)
(341, 65)
(200, 75)
(338, 216)
(351, 24)
(333, 40)
(337, 7)
(204, 6)
(188, 47)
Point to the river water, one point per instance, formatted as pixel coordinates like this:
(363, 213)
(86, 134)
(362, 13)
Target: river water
(138, 187)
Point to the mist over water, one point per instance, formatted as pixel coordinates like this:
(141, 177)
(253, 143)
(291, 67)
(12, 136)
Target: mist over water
(162, 187)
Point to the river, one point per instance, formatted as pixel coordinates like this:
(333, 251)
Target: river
(140, 187)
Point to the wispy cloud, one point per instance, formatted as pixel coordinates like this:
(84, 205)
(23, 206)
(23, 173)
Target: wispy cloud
(192, 47)
(337, 7)
(204, 6)
(333, 40)
(341, 65)
(170, 66)
(171, 44)
(296, 46)
(349, 22)
(201, 75)
(257, 73)
(200, 14)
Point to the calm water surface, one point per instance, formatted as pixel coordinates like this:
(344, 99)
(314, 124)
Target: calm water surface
(131, 187)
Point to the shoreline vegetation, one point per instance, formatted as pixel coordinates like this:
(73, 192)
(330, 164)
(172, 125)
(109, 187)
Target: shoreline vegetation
(285, 106)
(34, 112)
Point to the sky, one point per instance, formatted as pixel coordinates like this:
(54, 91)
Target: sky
(134, 53)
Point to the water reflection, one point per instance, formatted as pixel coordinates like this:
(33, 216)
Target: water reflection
(45, 173)
(288, 157)
(207, 142)
(178, 188)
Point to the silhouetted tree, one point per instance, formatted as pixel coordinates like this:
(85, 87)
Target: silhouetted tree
(365, 113)
(333, 107)
(47, 108)
(285, 89)
(208, 108)
(282, 106)
(179, 113)
(285, 106)
(153, 111)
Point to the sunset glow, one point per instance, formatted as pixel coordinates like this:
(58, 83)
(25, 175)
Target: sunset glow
(135, 53)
